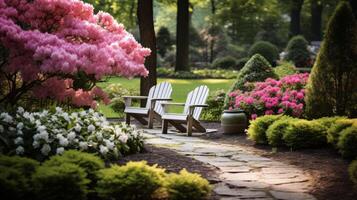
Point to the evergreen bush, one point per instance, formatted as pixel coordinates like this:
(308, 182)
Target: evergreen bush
(277, 129)
(164, 41)
(227, 62)
(297, 51)
(332, 84)
(334, 132)
(258, 128)
(268, 50)
(347, 142)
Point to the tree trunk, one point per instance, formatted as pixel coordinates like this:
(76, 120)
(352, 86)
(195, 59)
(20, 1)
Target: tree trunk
(316, 20)
(295, 12)
(354, 7)
(147, 39)
(213, 7)
(182, 36)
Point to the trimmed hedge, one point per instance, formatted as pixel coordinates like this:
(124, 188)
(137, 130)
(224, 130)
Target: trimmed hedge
(258, 128)
(227, 62)
(268, 50)
(334, 132)
(347, 143)
(275, 131)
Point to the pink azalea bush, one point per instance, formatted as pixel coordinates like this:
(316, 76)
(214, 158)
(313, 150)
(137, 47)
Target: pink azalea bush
(284, 96)
(60, 49)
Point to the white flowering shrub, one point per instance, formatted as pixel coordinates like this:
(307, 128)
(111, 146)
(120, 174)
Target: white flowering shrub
(42, 134)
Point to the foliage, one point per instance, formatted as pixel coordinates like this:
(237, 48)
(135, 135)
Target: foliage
(256, 69)
(187, 186)
(347, 142)
(215, 104)
(297, 51)
(241, 63)
(352, 169)
(116, 93)
(135, 180)
(197, 73)
(15, 177)
(334, 132)
(258, 127)
(42, 134)
(163, 40)
(227, 62)
(331, 89)
(285, 69)
(275, 131)
(268, 50)
(304, 134)
(64, 182)
(60, 49)
(284, 96)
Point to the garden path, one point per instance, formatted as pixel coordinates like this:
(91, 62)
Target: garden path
(242, 174)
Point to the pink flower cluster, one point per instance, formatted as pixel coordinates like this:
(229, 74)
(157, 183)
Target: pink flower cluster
(284, 96)
(59, 38)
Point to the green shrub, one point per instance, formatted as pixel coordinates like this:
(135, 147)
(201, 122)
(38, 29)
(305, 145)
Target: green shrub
(327, 122)
(241, 62)
(336, 63)
(256, 69)
(116, 92)
(304, 134)
(63, 182)
(285, 69)
(352, 169)
(297, 51)
(227, 62)
(215, 104)
(257, 128)
(276, 130)
(187, 186)
(347, 142)
(135, 180)
(89, 162)
(164, 41)
(268, 50)
(15, 177)
(334, 132)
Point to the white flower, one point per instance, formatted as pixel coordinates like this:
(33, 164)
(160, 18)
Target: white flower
(91, 128)
(91, 110)
(26, 115)
(123, 138)
(103, 150)
(1, 128)
(41, 128)
(83, 145)
(66, 117)
(20, 110)
(97, 123)
(36, 144)
(71, 136)
(77, 128)
(59, 150)
(83, 113)
(20, 126)
(63, 141)
(44, 135)
(12, 128)
(54, 118)
(99, 136)
(19, 140)
(32, 119)
(45, 149)
(6, 117)
(19, 132)
(59, 110)
(20, 150)
(74, 115)
(109, 144)
(117, 130)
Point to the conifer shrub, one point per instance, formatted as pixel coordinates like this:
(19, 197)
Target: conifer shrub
(297, 51)
(187, 186)
(347, 142)
(334, 132)
(277, 129)
(304, 134)
(258, 128)
(227, 62)
(268, 50)
(331, 88)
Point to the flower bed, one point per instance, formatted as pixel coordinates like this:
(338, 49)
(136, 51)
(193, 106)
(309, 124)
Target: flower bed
(42, 134)
(284, 96)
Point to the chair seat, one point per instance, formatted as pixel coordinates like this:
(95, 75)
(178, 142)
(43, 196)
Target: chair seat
(136, 110)
(178, 117)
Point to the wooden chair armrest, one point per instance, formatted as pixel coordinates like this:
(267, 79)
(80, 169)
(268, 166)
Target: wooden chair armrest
(153, 101)
(135, 97)
(172, 104)
(192, 108)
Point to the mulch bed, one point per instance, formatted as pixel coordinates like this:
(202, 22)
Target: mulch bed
(326, 167)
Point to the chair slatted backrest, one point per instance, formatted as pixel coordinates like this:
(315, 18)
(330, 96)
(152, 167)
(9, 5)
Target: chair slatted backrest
(198, 96)
(162, 91)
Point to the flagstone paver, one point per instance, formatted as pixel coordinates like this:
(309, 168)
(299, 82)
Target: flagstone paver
(242, 174)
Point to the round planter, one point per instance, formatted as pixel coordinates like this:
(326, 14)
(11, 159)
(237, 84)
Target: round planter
(234, 121)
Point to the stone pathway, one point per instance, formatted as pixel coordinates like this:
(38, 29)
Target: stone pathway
(242, 174)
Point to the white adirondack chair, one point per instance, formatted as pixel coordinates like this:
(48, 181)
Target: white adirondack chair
(158, 93)
(195, 102)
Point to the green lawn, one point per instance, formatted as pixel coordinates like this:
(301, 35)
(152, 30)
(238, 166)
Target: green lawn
(180, 88)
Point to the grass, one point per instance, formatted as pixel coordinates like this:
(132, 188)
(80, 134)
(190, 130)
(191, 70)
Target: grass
(180, 88)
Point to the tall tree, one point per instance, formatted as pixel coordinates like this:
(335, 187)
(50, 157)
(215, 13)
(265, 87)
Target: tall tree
(147, 39)
(182, 35)
(316, 19)
(295, 14)
(354, 7)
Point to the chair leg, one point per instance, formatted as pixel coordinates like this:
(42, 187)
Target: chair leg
(189, 125)
(127, 119)
(165, 124)
(151, 119)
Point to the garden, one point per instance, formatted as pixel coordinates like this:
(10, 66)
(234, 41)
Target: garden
(175, 100)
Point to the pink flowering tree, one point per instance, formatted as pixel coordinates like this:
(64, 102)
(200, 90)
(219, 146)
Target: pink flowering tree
(284, 96)
(59, 49)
